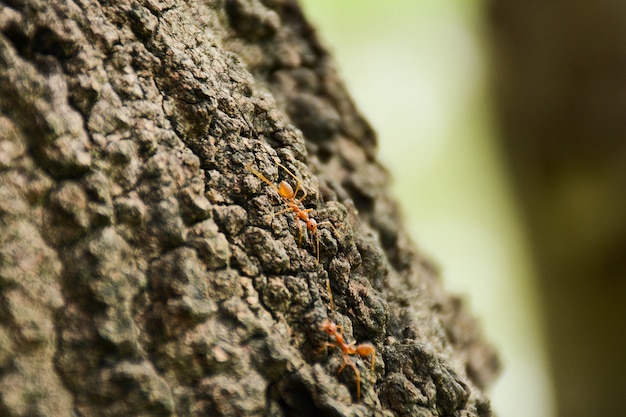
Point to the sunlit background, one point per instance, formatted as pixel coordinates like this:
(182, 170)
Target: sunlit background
(417, 70)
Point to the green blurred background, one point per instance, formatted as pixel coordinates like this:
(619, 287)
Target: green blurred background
(503, 123)
(418, 72)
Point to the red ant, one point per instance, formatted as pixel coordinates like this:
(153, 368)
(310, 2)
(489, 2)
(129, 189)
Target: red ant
(293, 205)
(347, 349)
(289, 196)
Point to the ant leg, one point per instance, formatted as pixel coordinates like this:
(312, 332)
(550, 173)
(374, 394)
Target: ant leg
(317, 244)
(358, 382)
(293, 210)
(325, 346)
(330, 291)
(299, 232)
(331, 226)
(262, 178)
(330, 296)
(346, 361)
(357, 375)
(282, 211)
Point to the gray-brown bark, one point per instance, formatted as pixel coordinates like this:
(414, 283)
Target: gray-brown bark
(141, 270)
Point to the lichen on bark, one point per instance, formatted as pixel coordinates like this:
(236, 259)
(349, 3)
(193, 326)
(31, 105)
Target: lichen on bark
(142, 271)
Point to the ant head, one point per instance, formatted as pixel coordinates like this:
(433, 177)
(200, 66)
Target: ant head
(329, 327)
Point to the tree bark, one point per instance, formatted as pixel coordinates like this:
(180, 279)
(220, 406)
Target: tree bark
(142, 271)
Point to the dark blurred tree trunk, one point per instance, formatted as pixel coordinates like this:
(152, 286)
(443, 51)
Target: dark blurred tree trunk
(141, 270)
(560, 81)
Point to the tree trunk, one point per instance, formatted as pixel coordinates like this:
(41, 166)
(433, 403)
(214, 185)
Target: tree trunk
(560, 82)
(142, 271)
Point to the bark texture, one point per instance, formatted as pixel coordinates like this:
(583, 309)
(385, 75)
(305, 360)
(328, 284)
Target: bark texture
(142, 272)
(560, 72)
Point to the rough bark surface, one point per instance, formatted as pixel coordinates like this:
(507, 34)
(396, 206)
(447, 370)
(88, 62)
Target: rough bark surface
(142, 272)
